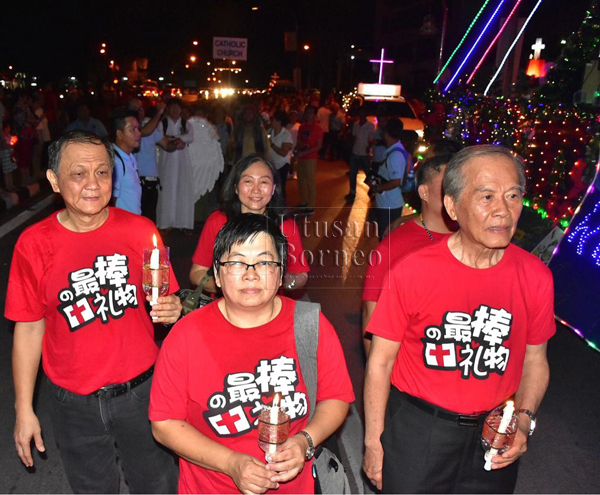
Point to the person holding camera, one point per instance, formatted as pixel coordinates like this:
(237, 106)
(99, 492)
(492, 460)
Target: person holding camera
(386, 185)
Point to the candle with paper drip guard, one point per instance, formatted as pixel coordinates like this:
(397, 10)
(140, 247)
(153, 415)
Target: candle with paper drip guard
(499, 432)
(155, 271)
(154, 265)
(273, 427)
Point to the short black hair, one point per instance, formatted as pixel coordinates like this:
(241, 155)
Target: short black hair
(245, 227)
(77, 137)
(430, 167)
(313, 108)
(118, 118)
(230, 202)
(394, 127)
(281, 116)
(174, 101)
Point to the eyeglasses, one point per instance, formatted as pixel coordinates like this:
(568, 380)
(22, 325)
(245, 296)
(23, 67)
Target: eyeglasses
(262, 267)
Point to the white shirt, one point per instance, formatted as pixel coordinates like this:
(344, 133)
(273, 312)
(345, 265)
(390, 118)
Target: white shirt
(294, 132)
(363, 134)
(323, 117)
(284, 136)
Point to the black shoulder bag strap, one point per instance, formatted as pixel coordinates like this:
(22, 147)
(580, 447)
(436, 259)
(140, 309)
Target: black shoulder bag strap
(406, 156)
(122, 162)
(306, 332)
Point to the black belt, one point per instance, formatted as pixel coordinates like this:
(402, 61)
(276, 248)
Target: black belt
(462, 419)
(153, 182)
(123, 388)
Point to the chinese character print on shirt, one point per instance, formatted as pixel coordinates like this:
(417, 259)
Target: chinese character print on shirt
(99, 292)
(471, 343)
(235, 410)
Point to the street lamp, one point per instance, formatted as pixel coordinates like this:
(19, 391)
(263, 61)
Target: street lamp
(192, 58)
(306, 47)
(195, 42)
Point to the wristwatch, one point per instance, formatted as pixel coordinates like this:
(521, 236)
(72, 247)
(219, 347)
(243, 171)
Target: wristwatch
(532, 417)
(310, 451)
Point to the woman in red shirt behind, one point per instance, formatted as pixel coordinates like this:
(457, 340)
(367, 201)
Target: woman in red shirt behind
(250, 188)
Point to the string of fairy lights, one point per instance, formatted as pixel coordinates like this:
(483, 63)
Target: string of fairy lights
(457, 73)
(555, 142)
(559, 141)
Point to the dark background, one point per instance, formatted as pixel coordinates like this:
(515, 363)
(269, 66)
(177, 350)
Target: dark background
(57, 39)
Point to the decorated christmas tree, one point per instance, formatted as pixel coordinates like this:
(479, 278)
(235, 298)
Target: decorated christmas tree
(580, 48)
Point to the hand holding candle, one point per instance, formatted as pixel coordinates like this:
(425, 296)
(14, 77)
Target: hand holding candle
(273, 427)
(499, 432)
(154, 265)
(155, 271)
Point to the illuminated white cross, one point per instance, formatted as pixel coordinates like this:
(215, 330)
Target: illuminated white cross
(537, 48)
(381, 62)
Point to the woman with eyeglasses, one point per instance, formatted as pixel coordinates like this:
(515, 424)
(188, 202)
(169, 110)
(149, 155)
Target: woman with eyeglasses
(251, 187)
(222, 363)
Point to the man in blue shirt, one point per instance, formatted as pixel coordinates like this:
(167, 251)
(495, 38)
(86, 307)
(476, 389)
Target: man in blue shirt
(85, 122)
(388, 197)
(127, 191)
(152, 135)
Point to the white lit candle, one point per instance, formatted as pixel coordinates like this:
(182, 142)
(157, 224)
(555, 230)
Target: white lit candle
(274, 419)
(507, 415)
(154, 265)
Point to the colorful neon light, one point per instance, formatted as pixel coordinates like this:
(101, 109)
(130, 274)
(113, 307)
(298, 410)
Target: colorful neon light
(584, 232)
(381, 62)
(483, 31)
(511, 48)
(461, 41)
(570, 238)
(494, 41)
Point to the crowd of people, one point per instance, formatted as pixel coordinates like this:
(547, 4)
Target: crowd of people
(451, 329)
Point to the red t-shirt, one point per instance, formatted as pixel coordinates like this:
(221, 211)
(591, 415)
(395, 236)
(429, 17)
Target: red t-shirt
(308, 137)
(217, 377)
(88, 288)
(407, 238)
(203, 255)
(464, 331)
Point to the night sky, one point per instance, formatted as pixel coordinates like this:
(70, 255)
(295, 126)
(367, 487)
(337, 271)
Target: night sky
(53, 39)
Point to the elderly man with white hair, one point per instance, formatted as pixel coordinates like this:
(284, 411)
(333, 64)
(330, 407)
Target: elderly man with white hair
(463, 327)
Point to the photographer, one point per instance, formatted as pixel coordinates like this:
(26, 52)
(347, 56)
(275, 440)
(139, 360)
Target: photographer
(386, 185)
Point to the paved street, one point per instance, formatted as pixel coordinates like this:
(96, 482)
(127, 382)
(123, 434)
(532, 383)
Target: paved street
(564, 453)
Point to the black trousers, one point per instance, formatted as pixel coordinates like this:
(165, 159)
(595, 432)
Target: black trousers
(281, 179)
(150, 191)
(385, 216)
(427, 454)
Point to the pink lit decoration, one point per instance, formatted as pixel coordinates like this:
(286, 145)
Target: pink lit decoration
(381, 61)
(493, 41)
